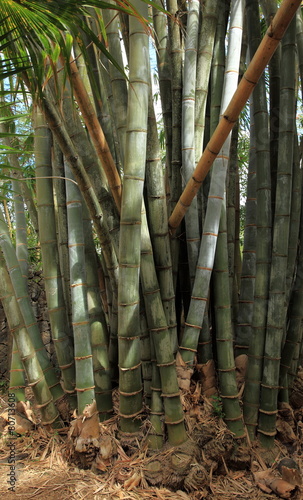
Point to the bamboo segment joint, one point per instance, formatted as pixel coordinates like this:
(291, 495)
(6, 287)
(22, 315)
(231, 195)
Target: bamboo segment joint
(130, 393)
(133, 415)
(171, 363)
(44, 404)
(84, 389)
(130, 368)
(176, 422)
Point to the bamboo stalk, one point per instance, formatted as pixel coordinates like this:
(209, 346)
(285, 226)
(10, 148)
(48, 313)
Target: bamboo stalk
(28, 355)
(17, 382)
(80, 319)
(98, 328)
(255, 336)
(96, 134)
(276, 316)
(130, 385)
(30, 323)
(49, 251)
(192, 224)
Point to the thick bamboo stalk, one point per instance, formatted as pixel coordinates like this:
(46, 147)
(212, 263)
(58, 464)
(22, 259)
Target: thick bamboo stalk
(255, 336)
(224, 335)
(250, 78)
(61, 222)
(210, 12)
(30, 323)
(157, 221)
(192, 225)
(49, 252)
(21, 226)
(175, 184)
(58, 128)
(21, 229)
(276, 315)
(96, 134)
(269, 8)
(98, 328)
(258, 156)
(28, 355)
(160, 23)
(80, 319)
(17, 382)
(161, 339)
(130, 385)
(118, 82)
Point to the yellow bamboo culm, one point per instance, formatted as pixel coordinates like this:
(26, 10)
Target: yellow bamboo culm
(250, 78)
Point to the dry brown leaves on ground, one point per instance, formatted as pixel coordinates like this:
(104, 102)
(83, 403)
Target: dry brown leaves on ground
(44, 469)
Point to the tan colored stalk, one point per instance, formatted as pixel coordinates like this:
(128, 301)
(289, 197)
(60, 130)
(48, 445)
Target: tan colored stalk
(96, 133)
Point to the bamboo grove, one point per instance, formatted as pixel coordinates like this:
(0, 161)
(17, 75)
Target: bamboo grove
(145, 272)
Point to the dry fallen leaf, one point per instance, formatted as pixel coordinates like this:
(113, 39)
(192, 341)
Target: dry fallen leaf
(266, 479)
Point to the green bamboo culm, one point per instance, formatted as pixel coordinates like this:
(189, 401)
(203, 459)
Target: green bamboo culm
(276, 316)
(98, 327)
(224, 335)
(256, 340)
(130, 384)
(17, 382)
(34, 374)
(157, 223)
(80, 318)
(49, 252)
(21, 293)
(162, 346)
(192, 224)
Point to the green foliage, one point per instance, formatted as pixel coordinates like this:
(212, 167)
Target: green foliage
(217, 406)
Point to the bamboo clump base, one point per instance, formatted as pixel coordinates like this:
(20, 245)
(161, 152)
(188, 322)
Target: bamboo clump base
(211, 465)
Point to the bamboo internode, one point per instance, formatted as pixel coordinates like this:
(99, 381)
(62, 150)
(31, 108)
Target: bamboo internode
(250, 78)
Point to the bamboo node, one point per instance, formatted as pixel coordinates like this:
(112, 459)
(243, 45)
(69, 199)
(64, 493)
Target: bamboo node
(45, 404)
(188, 349)
(125, 304)
(229, 397)
(266, 412)
(277, 387)
(133, 415)
(270, 434)
(235, 419)
(174, 423)
(131, 368)
(84, 389)
(226, 370)
(173, 395)
(134, 178)
(79, 358)
(130, 393)
(130, 338)
(171, 363)
(65, 367)
(161, 329)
